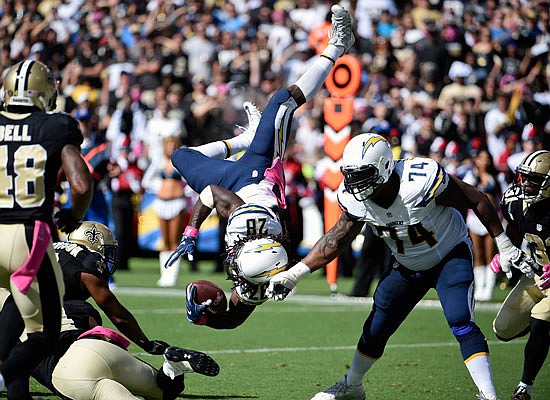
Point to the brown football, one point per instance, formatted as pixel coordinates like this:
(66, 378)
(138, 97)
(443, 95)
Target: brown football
(209, 290)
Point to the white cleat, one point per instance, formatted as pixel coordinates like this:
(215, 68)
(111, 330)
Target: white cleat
(254, 115)
(341, 391)
(342, 36)
(482, 396)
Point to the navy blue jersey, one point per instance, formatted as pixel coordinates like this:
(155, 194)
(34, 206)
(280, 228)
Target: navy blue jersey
(30, 158)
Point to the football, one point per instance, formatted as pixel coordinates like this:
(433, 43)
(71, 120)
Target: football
(209, 290)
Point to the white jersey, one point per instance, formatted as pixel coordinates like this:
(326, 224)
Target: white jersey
(258, 193)
(251, 219)
(419, 232)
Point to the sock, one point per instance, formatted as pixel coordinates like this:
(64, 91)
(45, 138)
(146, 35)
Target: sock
(226, 148)
(359, 367)
(479, 368)
(527, 388)
(490, 280)
(479, 281)
(312, 80)
(2, 382)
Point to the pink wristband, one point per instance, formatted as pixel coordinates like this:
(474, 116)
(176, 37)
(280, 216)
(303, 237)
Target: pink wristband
(191, 231)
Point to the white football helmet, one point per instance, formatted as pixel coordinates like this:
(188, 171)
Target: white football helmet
(532, 183)
(256, 260)
(367, 163)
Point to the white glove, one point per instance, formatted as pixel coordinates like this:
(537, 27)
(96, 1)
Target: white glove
(282, 284)
(511, 256)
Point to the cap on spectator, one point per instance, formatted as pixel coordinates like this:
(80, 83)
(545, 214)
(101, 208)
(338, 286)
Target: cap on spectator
(452, 150)
(474, 146)
(382, 128)
(83, 114)
(438, 146)
(459, 69)
(37, 47)
(529, 132)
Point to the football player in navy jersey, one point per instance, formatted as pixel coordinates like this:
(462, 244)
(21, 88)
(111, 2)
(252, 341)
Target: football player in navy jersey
(526, 207)
(256, 177)
(412, 204)
(34, 145)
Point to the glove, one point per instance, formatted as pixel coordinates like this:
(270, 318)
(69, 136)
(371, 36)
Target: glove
(511, 256)
(544, 282)
(281, 284)
(187, 246)
(65, 221)
(496, 267)
(155, 347)
(195, 311)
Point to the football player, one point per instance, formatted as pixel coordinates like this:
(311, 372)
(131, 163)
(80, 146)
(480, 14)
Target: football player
(88, 258)
(526, 207)
(34, 145)
(257, 177)
(414, 205)
(89, 362)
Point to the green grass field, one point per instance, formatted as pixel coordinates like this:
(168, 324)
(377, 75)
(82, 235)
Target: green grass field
(293, 349)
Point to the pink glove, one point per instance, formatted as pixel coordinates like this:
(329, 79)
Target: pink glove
(544, 282)
(496, 267)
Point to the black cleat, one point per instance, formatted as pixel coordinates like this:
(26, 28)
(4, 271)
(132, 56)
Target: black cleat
(193, 361)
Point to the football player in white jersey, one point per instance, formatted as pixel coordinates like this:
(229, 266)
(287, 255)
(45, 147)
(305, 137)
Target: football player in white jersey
(526, 207)
(247, 191)
(413, 204)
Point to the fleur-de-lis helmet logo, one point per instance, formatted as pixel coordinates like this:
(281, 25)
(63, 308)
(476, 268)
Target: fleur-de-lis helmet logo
(93, 235)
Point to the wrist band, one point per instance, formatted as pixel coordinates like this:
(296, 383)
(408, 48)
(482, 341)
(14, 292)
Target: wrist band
(191, 231)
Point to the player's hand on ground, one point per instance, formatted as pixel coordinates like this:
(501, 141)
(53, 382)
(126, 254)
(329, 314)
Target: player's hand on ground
(186, 247)
(156, 347)
(544, 282)
(65, 220)
(194, 311)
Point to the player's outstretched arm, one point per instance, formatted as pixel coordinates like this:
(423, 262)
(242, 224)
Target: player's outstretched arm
(324, 251)
(463, 196)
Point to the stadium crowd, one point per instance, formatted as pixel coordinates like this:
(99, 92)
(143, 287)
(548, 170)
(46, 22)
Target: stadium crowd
(443, 79)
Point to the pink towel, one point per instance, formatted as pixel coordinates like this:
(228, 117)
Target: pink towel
(276, 175)
(24, 276)
(110, 336)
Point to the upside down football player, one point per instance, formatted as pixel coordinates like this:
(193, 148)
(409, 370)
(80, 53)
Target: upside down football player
(249, 190)
(526, 207)
(35, 145)
(413, 205)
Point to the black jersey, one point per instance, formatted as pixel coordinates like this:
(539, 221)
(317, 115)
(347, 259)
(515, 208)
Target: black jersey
(534, 221)
(74, 260)
(30, 158)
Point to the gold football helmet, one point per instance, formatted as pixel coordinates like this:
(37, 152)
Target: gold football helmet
(29, 84)
(532, 183)
(97, 237)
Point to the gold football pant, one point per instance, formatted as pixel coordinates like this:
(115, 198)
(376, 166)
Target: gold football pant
(93, 369)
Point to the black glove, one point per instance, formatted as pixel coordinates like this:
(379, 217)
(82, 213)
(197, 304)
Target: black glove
(65, 221)
(155, 347)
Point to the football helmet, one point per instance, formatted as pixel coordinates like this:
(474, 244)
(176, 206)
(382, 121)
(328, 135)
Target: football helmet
(532, 183)
(256, 260)
(97, 237)
(29, 84)
(367, 164)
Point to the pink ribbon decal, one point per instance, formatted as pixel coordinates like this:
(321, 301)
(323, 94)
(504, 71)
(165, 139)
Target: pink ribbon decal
(23, 277)
(276, 175)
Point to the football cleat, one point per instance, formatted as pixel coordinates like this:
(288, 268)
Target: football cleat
(520, 393)
(341, 391)
(191, 361)
(342, 36)
(482, 396)
(253, 114)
